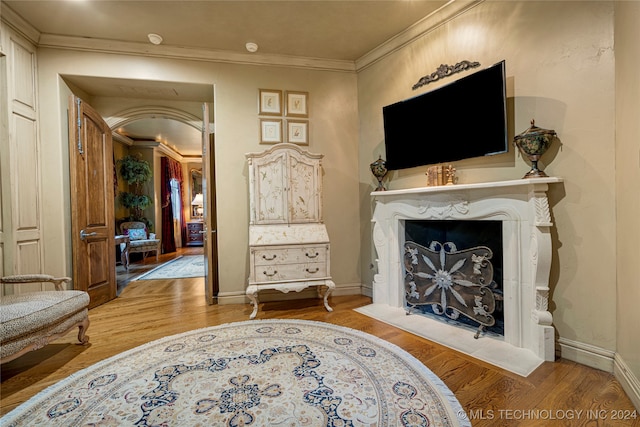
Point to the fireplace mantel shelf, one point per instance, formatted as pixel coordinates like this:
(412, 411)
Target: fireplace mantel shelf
(473, 186)
(523, 209)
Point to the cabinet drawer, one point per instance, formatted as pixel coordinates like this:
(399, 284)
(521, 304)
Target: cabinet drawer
(276, 273)
(311, 254)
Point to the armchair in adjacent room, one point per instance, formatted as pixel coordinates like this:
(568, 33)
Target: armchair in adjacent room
(140, 240)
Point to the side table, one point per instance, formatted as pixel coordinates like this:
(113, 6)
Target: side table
(194, 233)
(124, 253)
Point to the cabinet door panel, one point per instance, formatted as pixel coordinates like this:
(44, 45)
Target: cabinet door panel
(270, 190)
(303, 190)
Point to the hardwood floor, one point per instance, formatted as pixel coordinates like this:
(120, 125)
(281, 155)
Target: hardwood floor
(140, 265)
(556, 394)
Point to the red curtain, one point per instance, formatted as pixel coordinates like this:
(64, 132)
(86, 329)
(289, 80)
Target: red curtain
(171, 169)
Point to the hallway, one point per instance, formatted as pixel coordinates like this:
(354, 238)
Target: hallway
(139, 266)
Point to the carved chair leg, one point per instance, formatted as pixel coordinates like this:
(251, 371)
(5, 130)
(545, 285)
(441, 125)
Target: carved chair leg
(252, 294)
(82, 330)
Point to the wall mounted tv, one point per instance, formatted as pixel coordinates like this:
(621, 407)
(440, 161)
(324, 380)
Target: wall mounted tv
(463, 119)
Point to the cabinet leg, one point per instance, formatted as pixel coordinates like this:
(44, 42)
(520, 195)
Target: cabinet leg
(330, 287)
(252, 293)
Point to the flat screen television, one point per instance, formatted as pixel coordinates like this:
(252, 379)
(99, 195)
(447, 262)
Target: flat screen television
(463, 119)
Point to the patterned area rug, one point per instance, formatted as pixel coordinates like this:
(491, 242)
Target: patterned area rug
(253, 373)
(184, 266)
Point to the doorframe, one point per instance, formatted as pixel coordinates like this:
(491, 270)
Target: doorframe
(124, 117)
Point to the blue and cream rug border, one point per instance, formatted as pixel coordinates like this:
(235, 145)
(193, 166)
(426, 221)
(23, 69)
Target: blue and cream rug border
(252, 373)
(184, 266)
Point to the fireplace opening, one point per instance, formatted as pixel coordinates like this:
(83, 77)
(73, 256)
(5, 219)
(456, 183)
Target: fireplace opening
(453, 272)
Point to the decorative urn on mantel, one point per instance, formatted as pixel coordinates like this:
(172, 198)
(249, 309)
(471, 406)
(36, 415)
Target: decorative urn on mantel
(379, 170)
(533, 143)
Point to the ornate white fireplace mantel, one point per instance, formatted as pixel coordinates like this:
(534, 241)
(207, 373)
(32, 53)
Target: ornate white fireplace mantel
(523, 208)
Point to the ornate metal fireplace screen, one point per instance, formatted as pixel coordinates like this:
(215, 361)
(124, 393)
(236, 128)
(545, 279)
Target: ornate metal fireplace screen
(453, 282)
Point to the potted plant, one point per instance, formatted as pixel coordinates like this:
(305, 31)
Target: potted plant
(136, 172)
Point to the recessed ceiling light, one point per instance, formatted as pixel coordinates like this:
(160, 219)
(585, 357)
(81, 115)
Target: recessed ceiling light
(251, 47)
(154, 38)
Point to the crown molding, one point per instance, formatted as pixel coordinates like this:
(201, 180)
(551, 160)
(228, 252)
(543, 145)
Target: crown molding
(170, 152)
(18, 24)
(121, 138)
(162, 148)
(192, 158)
(429, 23)
(205, 55)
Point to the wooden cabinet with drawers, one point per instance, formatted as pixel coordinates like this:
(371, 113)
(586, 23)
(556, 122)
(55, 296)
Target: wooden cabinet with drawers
(194, 233)
(289, 263)
(288, 243)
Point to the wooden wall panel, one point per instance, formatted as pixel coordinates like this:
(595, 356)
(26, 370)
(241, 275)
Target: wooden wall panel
(28, 260)
(4, 153)
(23, 61)
(22, 245)
(25, 177)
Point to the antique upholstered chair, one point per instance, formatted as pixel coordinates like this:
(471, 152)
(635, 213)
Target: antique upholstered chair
(31, 320)
(140, 240)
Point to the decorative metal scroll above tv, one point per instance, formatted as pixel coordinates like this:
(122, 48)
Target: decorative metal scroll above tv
(445, 71)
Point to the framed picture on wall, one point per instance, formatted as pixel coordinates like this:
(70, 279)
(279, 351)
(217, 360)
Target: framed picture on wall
(270, 102)
(297, 104)
(298, 132)
(270, 131)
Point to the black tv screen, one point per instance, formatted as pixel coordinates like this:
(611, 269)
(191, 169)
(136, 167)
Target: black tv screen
(463, 119)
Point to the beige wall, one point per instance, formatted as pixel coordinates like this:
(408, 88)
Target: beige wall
(560, 70)
(333, 132)
(627, 18)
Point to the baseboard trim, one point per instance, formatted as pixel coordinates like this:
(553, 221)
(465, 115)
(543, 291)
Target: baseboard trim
(587, 354)
(367, 290)
(348, 289)
(629, 382)
(232, 298)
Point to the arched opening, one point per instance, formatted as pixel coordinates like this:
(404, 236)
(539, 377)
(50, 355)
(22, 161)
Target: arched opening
(187, 123)
(124, 117)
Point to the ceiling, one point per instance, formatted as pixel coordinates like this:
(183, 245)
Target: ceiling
(328, 29)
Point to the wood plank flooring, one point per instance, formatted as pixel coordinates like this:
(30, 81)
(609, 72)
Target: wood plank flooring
(562, 393)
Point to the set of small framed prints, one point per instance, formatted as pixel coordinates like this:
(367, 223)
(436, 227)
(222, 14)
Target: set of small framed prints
(287, 120)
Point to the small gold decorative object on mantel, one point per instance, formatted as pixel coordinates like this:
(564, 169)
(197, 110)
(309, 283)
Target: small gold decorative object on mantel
(533, 143)
(440, 175)
(450, 172)
(435, 176)
(379, 170)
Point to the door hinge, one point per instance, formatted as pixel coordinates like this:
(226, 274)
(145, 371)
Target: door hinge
(79, 125)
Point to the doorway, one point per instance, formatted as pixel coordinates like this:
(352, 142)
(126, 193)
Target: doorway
(173, 186)
(178, 106)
